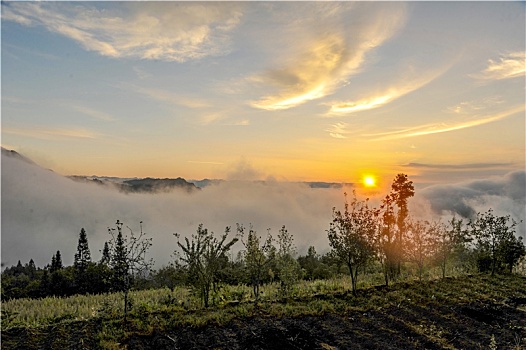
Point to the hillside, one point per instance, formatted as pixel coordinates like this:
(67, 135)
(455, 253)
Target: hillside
(468, 312)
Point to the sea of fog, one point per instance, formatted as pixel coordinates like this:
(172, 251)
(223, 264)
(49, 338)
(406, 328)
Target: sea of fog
(43, 212)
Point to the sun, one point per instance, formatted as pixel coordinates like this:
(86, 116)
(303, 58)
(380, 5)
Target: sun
(369, 181)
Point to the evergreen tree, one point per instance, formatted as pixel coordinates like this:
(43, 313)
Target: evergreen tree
(81, 263)
(106, 256)
(119, 262)
(56, 262)
(31, 269)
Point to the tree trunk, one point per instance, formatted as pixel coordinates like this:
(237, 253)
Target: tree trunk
(354, 275)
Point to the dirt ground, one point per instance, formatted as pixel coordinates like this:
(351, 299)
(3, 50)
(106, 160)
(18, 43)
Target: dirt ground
(470, 326)
(498, 323)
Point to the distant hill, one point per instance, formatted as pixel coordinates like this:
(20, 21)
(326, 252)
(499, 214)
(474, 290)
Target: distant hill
(148, 184)
(15, 154)
(157, 185)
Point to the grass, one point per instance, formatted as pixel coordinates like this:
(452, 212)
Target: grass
(50, 310)
(99, 317)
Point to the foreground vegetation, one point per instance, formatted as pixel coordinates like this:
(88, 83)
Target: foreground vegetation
(467, 312)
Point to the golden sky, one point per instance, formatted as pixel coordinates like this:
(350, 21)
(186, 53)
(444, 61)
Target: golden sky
(299, 91)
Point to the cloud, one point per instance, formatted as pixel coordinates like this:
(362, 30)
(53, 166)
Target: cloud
(505, 194)
(458, 166)
(99, 115)
(243, 170)
(436, 128)
(170, 97)
(43, 212)
(387, 95)
(168, 31)
(338, 130)
(204, 162)
(511, 65)
(318, 59)
(53, 134)
(471, 107)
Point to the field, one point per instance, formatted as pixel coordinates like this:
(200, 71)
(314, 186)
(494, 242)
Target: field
(465, 312)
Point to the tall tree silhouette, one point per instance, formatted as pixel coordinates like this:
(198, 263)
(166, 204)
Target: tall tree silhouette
(401, 190)
(81, 263)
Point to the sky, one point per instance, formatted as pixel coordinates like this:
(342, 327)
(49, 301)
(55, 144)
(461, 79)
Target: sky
(296, 91)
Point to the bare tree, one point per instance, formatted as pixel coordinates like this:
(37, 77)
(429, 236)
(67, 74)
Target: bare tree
(128, 258)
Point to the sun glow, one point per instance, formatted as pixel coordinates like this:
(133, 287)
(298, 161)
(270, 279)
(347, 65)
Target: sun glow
(369, 181)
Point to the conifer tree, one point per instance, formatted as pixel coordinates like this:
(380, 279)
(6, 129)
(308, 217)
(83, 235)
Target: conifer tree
(81, 263)
(106, 256)
(56, 262)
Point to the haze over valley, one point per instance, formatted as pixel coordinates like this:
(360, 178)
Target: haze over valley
(43, 211)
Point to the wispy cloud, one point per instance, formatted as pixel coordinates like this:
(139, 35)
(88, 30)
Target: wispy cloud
(318, 61)
(96, 114)
(466, 166)
(475, 106)
(204, 162)
(338, 130)
(511, 65)
(53, 134)
(169, 97)
(168, 31)
(388, 94)
(436, 128)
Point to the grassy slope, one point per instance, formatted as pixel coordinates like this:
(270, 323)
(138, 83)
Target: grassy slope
(456, 313)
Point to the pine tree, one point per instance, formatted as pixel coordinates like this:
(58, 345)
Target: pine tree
(119, 262)
(83, 255)
(106, 257)
(56, 262)
(81, 263)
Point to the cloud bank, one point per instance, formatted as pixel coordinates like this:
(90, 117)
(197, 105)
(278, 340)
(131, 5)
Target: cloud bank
(505, 194)
(43, 212)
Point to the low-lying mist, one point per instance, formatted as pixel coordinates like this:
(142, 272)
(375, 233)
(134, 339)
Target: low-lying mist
(43, 212)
